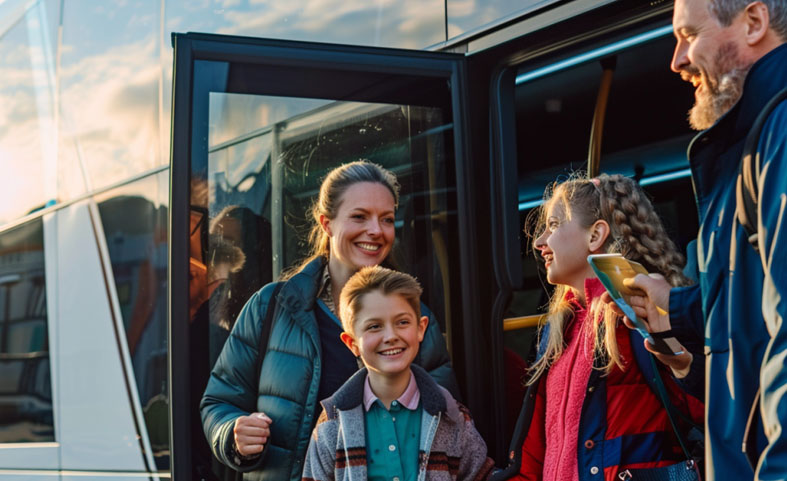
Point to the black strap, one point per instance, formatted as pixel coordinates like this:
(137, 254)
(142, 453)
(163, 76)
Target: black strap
(267, 325)
(747, 190)
(663, 334)
(661, 392)
(521, 428)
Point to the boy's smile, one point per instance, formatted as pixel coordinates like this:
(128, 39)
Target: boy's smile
(386, 336)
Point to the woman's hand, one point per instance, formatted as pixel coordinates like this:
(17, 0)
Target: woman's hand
(251, 433)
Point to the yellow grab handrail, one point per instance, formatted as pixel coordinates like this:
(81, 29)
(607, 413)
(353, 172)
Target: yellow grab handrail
(513, 323)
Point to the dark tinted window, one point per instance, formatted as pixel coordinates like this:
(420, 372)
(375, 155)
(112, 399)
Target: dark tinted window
(25, 382)
(134, 218)
(645, 132)
(259, 189)
(263, 216)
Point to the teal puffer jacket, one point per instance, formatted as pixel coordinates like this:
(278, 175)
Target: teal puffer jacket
(289, 380)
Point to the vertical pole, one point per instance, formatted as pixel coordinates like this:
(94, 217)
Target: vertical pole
(277, 204)
(597, 129)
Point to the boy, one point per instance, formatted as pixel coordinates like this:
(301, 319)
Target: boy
(391, 420)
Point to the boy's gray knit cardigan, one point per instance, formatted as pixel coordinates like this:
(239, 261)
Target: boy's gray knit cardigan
(450, 448)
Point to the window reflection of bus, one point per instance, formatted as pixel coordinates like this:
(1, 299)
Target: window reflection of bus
(25, 390)
(134, 272)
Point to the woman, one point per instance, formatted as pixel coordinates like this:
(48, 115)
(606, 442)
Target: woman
(263, 425)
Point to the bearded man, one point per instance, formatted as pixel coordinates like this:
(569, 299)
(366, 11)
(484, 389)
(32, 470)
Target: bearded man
(734, 53)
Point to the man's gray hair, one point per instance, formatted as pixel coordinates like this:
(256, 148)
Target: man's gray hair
(726, 10)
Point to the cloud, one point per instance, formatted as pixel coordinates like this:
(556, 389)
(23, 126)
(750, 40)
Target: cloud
(109, 104)
(112, 69)
(390, 23)
(25, 134)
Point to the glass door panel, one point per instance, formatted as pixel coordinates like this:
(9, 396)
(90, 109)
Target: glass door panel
(257, 125)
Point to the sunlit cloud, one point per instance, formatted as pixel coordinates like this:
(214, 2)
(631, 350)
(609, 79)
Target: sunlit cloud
(467, 15)
(113, 61)
(406, 24)
(116, 125)
(26, 124)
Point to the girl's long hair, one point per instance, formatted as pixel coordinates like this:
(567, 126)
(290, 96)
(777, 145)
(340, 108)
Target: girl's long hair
(636, 232)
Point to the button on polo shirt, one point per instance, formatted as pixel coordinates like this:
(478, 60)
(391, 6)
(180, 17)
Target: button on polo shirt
(392, 436)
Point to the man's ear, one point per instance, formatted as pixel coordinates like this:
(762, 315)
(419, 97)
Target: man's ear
(349, 341)
(423, 322)
(599, 232)
(757, 20)
(325, 223)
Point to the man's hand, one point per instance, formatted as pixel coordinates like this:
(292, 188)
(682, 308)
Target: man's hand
(656, 290)
(251, 433)
(652, 309)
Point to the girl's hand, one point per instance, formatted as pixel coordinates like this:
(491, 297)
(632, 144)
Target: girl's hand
(251, 433)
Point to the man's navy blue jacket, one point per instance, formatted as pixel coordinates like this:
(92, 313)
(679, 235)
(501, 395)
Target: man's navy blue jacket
(742, 294)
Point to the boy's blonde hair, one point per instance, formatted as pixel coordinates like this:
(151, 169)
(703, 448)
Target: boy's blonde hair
(376, 278)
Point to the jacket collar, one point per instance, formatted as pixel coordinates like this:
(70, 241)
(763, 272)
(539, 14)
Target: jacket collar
(593, 289)
(350, 395)
(300, 291)
(764, 80)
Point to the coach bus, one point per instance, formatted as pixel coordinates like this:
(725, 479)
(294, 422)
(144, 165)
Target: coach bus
(157, 177)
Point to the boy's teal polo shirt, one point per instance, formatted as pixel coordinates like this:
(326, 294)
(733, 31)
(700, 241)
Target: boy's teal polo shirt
(393, 436)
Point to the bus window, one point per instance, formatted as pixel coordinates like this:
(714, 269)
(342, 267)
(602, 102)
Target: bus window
(261, 185)
(134, 222)
(26, 387)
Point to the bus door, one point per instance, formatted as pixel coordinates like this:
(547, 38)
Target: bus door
(257, 124)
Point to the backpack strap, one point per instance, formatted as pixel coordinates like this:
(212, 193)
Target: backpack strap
(522, 425)
(521, 429)
(747, 190)
(267, 325)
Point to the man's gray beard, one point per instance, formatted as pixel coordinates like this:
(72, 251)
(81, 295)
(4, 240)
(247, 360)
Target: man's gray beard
(712, 103)
(715, 100)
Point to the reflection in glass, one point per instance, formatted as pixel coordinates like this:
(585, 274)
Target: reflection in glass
(27, 136)
(25, 380)
(109, 87)
(262, 182)
(134, 218)
(233, 116)
(414, 24)
(407, 23)
(263, 174)
(468, 15)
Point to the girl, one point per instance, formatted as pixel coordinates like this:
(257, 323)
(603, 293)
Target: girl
(262, 425)
(590, 412)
